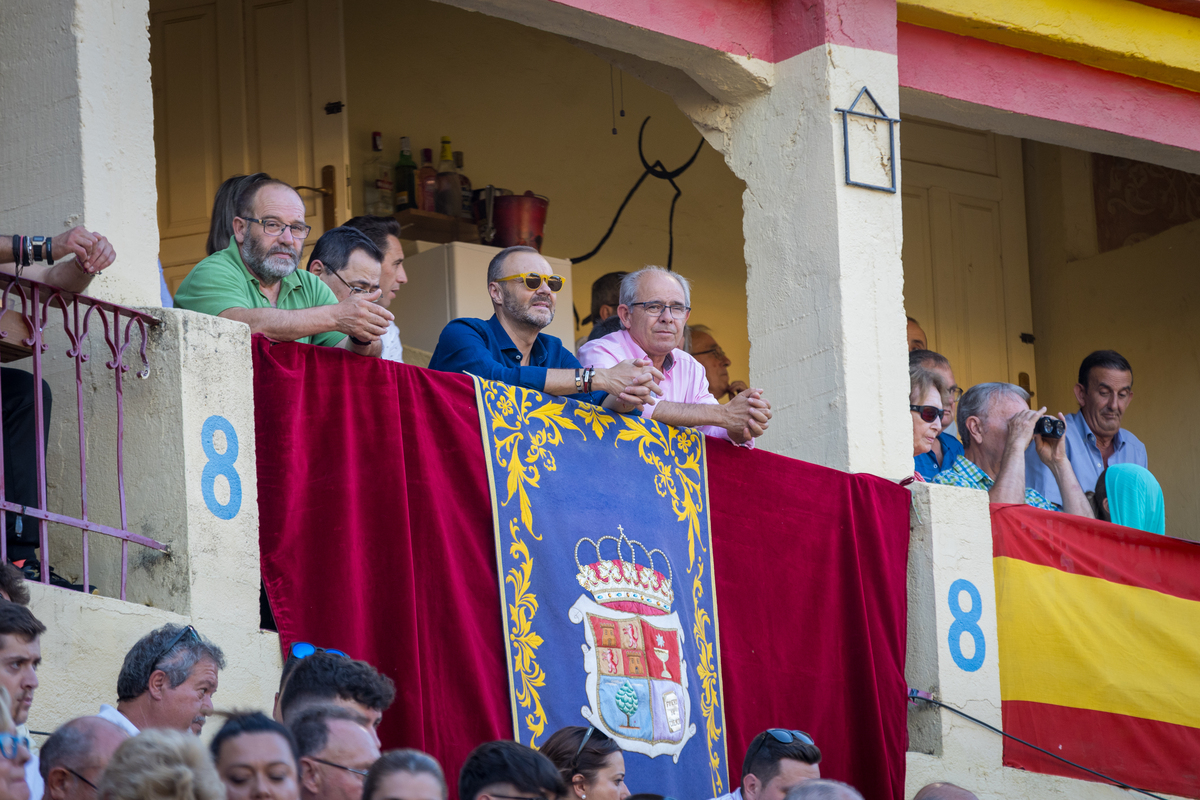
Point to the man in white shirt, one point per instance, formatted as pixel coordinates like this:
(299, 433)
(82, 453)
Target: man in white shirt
(777, 761)
(385, 233)
(167, 681)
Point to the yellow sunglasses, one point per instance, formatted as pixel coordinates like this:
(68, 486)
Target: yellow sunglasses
(534, 280)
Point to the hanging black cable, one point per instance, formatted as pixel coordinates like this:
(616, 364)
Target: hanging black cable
(921, 696)
(612, 91)
(655, 170)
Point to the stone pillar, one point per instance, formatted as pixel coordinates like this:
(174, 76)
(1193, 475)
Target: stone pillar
(949, 573)
(77, 132)
(825, 282)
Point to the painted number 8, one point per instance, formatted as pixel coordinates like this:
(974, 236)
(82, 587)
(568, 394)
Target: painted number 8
(220, 464)
(965, 622)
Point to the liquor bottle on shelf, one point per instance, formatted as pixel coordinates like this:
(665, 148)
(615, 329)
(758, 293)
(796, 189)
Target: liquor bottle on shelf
(449, 194)
(426, 182)
(464, 185)
(406, 177)
(378, 187)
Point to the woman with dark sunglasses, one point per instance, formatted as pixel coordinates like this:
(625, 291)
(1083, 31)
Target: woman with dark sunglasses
(592, 765)
(926, 390)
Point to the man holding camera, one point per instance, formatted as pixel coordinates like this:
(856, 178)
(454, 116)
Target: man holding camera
(996, 425)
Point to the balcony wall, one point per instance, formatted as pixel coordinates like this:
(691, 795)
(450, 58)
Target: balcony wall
(209, 577)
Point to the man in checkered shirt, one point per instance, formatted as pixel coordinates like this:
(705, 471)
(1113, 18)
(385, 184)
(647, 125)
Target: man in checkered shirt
(996, 425)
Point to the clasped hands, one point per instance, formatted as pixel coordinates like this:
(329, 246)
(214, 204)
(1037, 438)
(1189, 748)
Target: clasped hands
(747, 415)
(360, 317)
(633, 383)
(93, 252)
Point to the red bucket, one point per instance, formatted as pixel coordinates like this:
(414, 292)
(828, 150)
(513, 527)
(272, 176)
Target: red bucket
(520, 219)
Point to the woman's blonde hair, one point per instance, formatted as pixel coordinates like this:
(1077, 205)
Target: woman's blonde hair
(921, 380)
(161, 765)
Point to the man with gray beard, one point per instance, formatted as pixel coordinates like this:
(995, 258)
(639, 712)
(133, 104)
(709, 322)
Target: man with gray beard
(255, 279)
(511, 348)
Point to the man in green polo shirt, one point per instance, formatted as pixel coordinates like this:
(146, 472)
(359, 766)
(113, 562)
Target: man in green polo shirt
(255, 280)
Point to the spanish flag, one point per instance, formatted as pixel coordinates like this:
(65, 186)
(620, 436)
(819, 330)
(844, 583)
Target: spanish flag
(1099, 647)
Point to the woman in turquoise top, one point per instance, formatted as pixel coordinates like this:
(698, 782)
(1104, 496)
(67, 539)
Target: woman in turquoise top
(1129, 495)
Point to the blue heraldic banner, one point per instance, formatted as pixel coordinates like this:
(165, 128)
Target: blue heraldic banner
(605, 557)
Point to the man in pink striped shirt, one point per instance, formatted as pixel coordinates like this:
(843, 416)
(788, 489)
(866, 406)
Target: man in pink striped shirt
(654, 309)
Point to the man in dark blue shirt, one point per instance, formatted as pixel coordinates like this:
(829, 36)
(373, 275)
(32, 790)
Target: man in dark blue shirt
(511, 348)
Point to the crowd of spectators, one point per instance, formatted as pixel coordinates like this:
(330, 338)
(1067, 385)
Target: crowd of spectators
(1086, 465)
(640, 358)
(319, 743)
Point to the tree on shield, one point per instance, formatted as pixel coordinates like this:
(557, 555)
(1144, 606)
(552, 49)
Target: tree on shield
(627, 702)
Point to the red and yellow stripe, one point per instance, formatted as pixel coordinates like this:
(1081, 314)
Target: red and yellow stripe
(1099, 640)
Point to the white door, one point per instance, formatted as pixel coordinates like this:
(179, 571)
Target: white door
(242, 86)
(966, 262)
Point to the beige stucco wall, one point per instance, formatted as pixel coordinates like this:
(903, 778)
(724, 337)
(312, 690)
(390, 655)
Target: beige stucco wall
(200, 367)
(1138, 300)
(87, 638)
(76, 137)
(532, 111)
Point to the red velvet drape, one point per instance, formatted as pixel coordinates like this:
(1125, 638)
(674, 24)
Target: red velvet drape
(376, 538)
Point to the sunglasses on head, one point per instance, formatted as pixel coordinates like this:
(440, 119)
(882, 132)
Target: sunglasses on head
(582, 744)
(534, 279)
(781, 735)
(928, 413)
(305, 649)
(174, 641)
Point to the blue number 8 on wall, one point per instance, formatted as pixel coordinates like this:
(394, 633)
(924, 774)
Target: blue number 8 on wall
(966, 622)
(220, 464)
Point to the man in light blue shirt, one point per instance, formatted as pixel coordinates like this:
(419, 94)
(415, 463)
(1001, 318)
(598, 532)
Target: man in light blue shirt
(1094, 436)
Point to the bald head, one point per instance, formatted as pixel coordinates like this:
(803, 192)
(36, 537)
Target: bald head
(823, 789)
(944, 791)
(82, 746)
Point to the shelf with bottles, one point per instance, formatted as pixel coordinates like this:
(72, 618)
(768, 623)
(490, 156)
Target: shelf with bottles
(430, 226)
(443, 189)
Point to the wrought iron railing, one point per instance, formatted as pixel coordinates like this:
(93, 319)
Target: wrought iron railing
(26, 308)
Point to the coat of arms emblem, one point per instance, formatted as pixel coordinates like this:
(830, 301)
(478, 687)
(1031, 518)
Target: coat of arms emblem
(637, 682)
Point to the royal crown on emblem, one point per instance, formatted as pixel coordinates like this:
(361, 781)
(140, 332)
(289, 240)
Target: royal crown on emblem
(621, 580)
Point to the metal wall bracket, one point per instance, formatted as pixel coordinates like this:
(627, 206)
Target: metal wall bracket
(882, 117)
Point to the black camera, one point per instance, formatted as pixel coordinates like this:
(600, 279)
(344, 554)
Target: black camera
(1050, 428)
